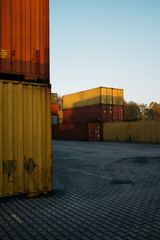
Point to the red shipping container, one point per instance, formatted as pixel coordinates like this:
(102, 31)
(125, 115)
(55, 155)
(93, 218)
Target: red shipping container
(101, 114)
(94, 132)
(24, 40)
(117, 113)
(79, 132)
(70, 132)
(54, 109)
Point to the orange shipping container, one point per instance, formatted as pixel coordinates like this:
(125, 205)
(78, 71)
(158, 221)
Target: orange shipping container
(24, 40)
(54, 109)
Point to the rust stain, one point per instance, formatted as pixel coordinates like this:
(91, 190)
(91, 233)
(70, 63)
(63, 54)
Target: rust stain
(30, 165)
(9, 168)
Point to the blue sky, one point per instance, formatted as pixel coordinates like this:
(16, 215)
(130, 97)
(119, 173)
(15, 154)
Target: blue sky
(109, 43)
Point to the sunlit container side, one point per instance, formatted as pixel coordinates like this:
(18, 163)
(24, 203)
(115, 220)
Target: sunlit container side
(60, 116)
(24, 40)
(82, 99)
(54, 109)
(117, 96)
(145, 132)
(25, 138)
(93, 97)
(106, 96)
(100, 113)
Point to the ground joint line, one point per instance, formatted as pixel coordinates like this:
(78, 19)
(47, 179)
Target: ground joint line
(88, 173)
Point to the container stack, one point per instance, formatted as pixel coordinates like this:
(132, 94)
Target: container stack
(96, 105)
(60, 110)
(25, 98)
(60, 116)
(54, 108)
(89, 110)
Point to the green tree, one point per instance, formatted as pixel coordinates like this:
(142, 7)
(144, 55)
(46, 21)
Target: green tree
(154, 111)
(131, 111)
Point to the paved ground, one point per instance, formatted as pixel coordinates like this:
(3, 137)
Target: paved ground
(101, 191)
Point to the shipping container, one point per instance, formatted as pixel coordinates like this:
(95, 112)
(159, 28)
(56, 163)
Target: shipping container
(117, 113)
(145, 132)
(24, 40)
(54, 109)
(93, 97)
(94, 132)
(100, 113)
(54, 120)
(54, 98)
(25, 138)
(60, 116)
(77, 132)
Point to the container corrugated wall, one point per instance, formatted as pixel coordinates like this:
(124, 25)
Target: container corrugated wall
(24, 40)
(94, 132)
(111, 96)
(54, 98)
(60, 116)
(93, 97)
(54, 109)
(25, 138)
(82, 99)
(146, 132)
(77, 132)
(100, 113)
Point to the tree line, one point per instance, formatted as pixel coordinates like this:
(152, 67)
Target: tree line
(141, 112)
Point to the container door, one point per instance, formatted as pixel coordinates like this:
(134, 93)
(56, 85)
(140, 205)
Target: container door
(93, 132)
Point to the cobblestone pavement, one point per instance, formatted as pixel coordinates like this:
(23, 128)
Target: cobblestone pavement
(101, 191)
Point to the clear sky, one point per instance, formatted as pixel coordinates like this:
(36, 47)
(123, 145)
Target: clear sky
(109, 43)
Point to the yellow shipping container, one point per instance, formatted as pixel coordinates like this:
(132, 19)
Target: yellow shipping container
(60, 116)
(145, 132)
(93, 97)
(25, 139)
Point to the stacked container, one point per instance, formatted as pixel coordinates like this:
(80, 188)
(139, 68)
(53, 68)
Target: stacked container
(60, 116)
(78, 131)
(60, 110)
(96, 105)
(54, 108)
(89, 110)
(25, 98)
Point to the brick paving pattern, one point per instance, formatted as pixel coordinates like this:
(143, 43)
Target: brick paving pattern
(101, 191)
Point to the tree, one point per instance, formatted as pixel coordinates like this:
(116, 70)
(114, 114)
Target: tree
(154, 111)
(143, 111)
(131, 111)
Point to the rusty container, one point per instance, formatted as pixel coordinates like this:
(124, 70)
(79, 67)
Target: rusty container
(24, 40)
(25, 138)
